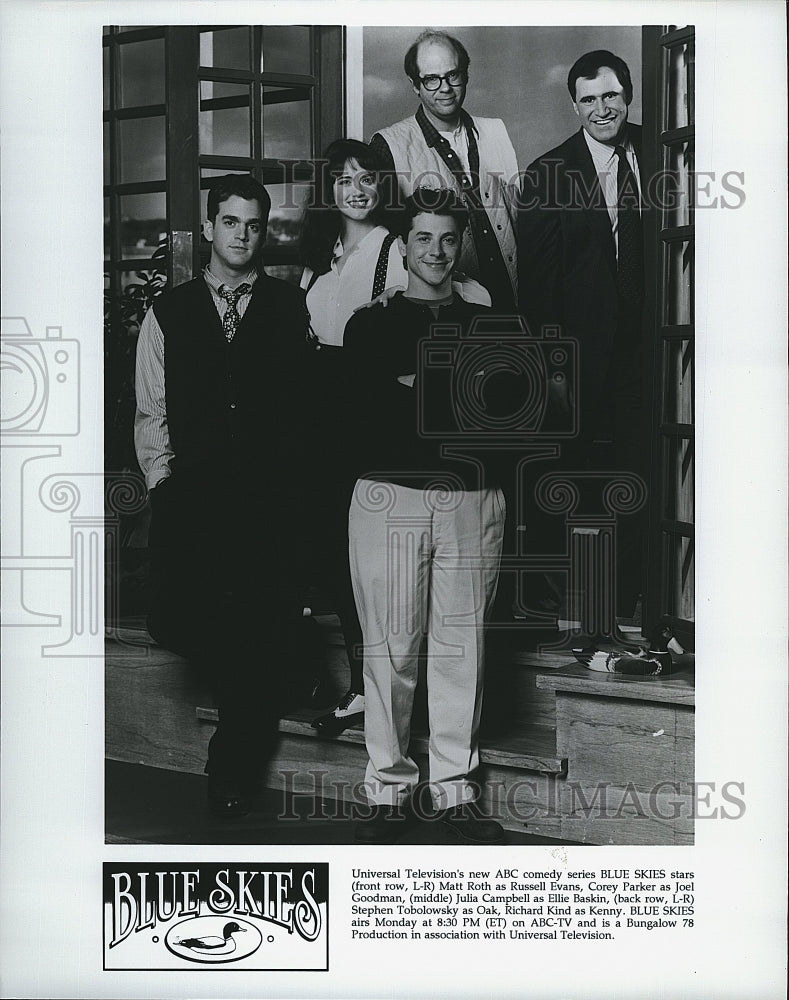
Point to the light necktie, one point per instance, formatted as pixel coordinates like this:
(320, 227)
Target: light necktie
(630, 255)
(231, 318)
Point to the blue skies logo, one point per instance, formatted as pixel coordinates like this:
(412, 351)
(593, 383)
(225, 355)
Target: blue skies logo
(216, 916)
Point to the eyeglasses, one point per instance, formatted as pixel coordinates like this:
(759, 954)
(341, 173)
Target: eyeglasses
(433, 81)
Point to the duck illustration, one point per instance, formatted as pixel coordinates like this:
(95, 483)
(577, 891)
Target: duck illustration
(212, 943)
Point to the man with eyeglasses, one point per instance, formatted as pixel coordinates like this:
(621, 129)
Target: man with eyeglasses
(443, 146)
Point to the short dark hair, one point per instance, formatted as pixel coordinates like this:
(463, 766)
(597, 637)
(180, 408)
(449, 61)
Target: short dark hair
(242, 185)
(409, 63)
(322, 221)
(590, 64)
(432, 201)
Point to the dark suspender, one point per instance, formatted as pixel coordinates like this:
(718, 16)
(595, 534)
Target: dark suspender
(379, 281)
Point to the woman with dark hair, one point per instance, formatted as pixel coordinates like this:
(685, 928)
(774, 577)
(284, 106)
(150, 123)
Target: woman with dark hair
(350, 258)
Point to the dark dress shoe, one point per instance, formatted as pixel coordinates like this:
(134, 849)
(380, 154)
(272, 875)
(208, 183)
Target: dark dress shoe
(349, 711)
(322, 692)
(384, 826)
(465, 821)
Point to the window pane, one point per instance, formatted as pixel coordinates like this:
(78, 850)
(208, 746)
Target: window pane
(678, 479)
(286, 123)
(107, 231)
(227, 49)
(224, 119)
(143, 223)
(138, 291)
(679, 81)
(678, 561)
(679, 283)
(286, 49)
(287, 211)
(677, 193)
(107, 153)
(106, 65)
(141, 150)
(142, 73)
(678, 382)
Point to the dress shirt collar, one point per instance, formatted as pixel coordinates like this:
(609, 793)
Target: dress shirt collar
(216, 285)
(603, 154)
(338, 250)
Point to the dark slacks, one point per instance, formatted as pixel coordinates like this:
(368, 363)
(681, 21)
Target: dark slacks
(611, 439)
(227, 570)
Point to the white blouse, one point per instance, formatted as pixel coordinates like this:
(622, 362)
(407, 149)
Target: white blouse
(335, 295)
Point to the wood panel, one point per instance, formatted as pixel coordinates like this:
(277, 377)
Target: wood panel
(676, 689)
(620, 742)
(630, 770)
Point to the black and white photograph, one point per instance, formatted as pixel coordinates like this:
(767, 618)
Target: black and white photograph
(302, 616)
(417, 456)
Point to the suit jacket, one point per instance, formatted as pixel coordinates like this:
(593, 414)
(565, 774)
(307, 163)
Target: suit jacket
(567, 255)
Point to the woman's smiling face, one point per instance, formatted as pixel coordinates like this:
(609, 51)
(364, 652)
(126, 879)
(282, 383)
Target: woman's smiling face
(355, 191)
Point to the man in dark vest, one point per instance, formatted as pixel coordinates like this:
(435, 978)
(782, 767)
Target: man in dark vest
(220, 437)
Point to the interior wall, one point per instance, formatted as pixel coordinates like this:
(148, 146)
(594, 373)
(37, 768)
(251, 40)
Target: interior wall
(517, 73)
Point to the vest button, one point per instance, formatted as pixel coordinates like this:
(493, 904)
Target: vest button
(232, 406)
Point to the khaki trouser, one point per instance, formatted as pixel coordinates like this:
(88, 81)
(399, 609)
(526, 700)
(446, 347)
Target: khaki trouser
(423, 562)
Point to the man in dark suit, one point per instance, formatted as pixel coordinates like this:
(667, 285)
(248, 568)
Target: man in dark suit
(220, 438)
(581, 267)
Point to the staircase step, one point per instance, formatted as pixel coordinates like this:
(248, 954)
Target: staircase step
(530, 748)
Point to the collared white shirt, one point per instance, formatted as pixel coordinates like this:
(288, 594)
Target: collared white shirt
(458, 140)
(151, 433)
(335, 294)
(215, 287)
(606, 163)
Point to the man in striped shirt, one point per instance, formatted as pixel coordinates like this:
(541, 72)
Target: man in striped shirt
(220, 436)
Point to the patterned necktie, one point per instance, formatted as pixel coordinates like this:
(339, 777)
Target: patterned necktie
(231, 318)
(630, 254)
